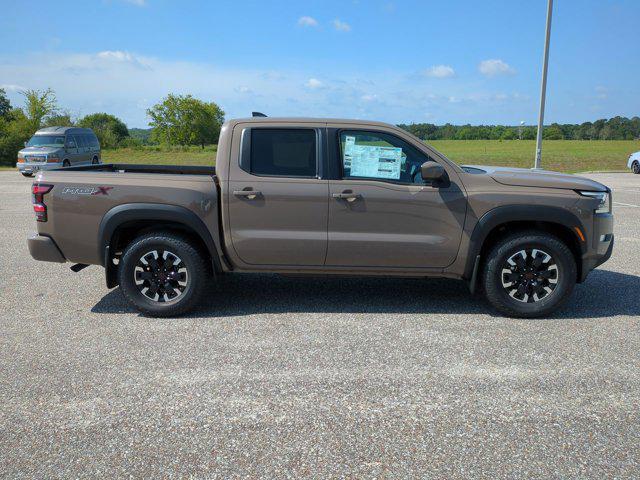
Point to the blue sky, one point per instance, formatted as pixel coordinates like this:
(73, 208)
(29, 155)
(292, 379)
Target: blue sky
(398, 61)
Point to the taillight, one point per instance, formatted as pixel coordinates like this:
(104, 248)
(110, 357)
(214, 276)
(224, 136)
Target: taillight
(39, 190)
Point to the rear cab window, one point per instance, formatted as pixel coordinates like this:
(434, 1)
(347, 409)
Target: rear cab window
(281, 152)
(379, 156)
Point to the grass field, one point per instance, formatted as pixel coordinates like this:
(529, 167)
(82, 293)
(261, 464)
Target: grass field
(559, 155)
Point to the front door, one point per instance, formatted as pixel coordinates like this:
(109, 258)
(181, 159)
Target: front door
(277, 202)
(382, 214)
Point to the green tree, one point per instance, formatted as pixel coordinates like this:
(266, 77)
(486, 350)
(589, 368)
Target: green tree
(60, 119)
(552, 132)
(109, 129)
(184, 120)
(15, 129)
(5, 104)
(38, 105)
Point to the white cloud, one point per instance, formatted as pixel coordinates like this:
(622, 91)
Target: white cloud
(306, 21)
(113, 81)
(602, 92)
(118, 56)
(440, 71)
(8, 87)
(494, 67)
(341, 26)
(314, 83)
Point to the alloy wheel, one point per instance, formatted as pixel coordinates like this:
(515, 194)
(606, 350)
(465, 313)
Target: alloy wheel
(530, 275)
(161, 276)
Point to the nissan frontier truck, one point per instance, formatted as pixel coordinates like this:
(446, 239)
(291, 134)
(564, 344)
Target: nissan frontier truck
(317, 196)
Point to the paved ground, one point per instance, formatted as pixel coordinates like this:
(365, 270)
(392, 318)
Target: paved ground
(282, 377)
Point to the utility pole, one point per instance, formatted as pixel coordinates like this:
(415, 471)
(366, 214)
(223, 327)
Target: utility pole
(543, 89)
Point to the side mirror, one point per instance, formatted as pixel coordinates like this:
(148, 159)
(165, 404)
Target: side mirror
(432, 171)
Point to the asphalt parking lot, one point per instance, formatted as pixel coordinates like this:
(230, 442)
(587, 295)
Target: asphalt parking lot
(285, 377)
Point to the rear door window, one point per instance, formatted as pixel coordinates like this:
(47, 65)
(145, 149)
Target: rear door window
(80, 141)
(283, 152)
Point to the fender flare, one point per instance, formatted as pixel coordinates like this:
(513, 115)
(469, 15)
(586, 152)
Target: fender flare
(517, 213)
(129, 212)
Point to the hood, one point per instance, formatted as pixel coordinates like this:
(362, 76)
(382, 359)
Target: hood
(39, 150)
(522, 177)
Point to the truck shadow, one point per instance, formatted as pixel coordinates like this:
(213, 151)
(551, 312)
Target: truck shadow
(604, 294)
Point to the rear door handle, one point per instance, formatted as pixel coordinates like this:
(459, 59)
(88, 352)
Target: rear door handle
(248, 194)
(349, 197)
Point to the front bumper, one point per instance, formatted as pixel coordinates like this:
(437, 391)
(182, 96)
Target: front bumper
(601, 244)
(36, 167)
(44, 249)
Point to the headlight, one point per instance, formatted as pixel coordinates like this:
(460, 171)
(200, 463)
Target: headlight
(604, 200)
(20, 156)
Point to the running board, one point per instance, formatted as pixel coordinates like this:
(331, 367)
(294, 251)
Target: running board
(78, 266)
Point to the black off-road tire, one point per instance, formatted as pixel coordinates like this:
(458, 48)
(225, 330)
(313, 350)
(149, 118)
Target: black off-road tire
(27, 174)
(95, 161)
(191, 258)
(635, 167)
(493, 281)
(66, 163)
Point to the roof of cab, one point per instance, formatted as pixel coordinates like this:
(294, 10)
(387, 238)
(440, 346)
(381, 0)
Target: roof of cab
(63, 130)
(307, 120)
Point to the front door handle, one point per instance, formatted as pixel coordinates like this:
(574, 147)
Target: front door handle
(248, 194)
(348, 196)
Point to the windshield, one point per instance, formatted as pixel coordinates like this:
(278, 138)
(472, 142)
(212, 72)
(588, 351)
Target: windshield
(46, 141)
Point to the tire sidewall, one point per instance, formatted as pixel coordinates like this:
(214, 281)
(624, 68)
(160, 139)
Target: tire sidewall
(193, 264)
(635, 167)
(566, 272)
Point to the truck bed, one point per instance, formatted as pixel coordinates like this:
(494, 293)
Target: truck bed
(137, 168)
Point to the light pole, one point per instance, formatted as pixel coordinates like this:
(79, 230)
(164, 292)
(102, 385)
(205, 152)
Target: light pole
(543, 88)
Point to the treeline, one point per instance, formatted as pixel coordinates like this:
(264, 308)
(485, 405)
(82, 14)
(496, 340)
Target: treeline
(616, 128)
(176, 120)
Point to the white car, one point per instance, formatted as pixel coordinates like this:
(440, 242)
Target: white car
(634, 162)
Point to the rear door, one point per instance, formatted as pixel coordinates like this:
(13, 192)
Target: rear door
(72, 150)
(84, 151)
(381, 212)
(277, 201)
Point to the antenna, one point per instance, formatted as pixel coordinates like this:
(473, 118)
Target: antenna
(257, 114)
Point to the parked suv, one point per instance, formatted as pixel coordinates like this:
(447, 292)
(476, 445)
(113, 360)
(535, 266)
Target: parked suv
(314, 196)
(55, 147)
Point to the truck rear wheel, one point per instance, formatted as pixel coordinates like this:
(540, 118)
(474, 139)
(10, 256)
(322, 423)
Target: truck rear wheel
(162, 275)
(529, 274)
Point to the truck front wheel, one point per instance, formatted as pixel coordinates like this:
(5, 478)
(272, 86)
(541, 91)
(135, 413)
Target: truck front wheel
(162, 275)
(529, 274)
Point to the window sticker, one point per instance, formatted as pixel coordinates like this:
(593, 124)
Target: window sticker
(373, 161)
(349, 143)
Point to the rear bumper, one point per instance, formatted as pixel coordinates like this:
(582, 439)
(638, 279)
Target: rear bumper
(602, 244)
(44, 249)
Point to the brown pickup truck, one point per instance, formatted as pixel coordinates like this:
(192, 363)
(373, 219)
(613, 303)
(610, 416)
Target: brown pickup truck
(317, 196)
